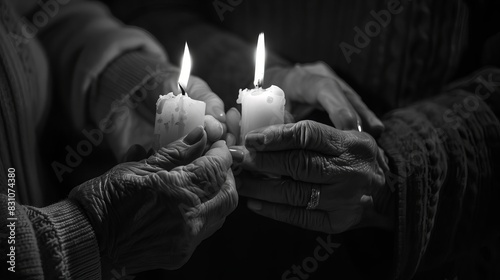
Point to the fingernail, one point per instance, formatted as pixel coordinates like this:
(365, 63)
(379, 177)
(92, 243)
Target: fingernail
(194, 136)
(378, 126)
(237, 155)
(235, 111)
(254, 205)
(255, 140)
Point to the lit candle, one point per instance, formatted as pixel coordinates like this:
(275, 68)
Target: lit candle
(260, 107)
(177, 115)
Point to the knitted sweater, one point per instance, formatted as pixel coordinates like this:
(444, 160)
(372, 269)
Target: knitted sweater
(442, 145)
(92, 60)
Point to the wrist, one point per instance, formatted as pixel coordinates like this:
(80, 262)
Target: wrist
(65, 224)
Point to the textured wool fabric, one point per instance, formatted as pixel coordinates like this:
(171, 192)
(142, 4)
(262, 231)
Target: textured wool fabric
(446, 172)
(23, 104)
(55, 242)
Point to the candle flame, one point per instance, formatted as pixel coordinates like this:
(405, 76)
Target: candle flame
(185, 70)
(260, 61)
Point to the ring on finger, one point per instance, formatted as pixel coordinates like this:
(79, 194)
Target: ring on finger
(314, 200)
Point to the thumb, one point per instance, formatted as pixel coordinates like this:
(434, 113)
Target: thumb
(199, 90)
(180, 152)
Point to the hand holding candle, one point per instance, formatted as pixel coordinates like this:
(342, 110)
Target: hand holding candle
(177, 115)
(260, 107)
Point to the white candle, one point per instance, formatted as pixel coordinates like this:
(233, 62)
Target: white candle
(260, 107)
(177, 115)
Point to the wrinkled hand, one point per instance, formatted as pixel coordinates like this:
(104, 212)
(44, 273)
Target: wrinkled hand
(343, 165)
(318, 85)
(152, 214)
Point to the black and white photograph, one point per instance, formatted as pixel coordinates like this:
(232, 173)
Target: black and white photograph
(250, 139)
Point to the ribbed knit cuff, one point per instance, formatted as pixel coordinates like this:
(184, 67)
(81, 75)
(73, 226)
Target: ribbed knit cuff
(66, 240)
(135, 79)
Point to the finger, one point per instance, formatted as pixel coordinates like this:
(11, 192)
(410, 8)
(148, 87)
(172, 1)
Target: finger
(223, 203)
(297, 216)
(208, 173)
(300, 165)
(213, 128)
(309, 135)
(135, 153)
(180, 152)
(233, 118)
(382, 160)
(339, 109)
(370, 122)
(199, 90)
(219, 150)
(224, 131)
(289, 192)
(230, 139)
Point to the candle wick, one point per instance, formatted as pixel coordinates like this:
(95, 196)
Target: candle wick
(183, 92)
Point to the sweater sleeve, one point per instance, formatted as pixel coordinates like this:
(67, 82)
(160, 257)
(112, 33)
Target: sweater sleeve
(81, 40)
(124, 99)
(54, 242)
(444, 155)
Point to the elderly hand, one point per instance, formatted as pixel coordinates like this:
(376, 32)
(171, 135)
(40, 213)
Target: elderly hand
(318, 85)
(342, 165)
(152, 214)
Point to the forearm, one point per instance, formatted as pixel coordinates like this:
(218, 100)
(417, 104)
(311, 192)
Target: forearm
(51, 242)
(444, 160)
(81, 40)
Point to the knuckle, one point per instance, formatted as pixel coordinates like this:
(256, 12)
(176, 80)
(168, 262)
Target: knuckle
(302, 132)
(293, 195)
(210, 171)
(293, 163)
(363, 145)
(326, 167)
